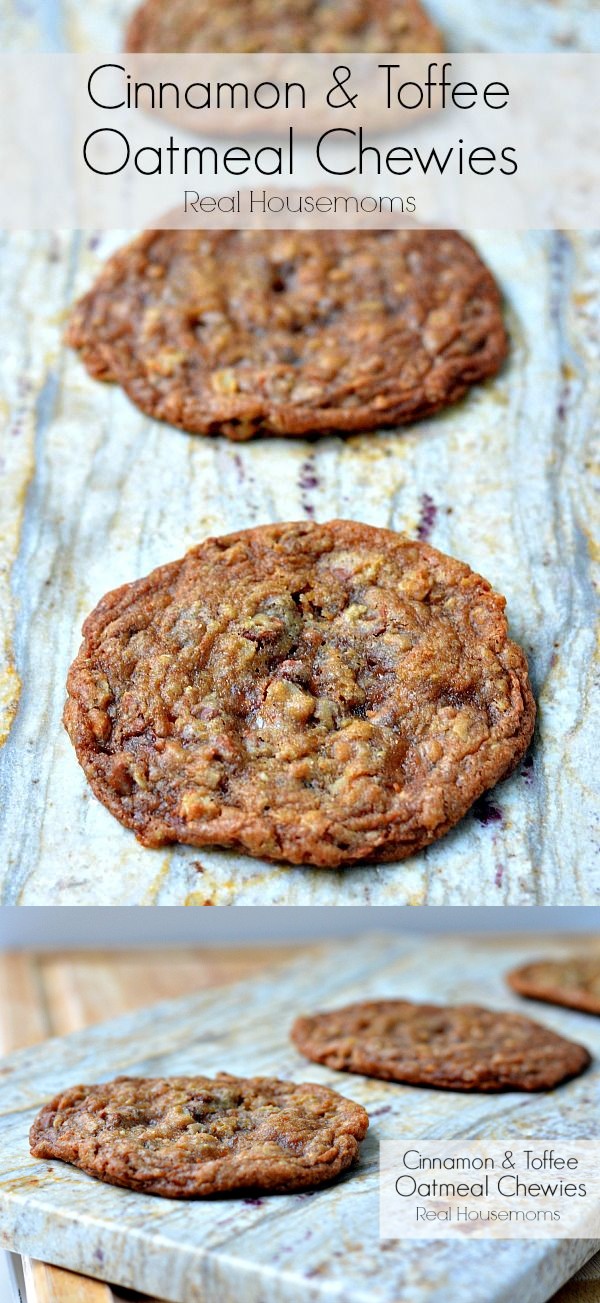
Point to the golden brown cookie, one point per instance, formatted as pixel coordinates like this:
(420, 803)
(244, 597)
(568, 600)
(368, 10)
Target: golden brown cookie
(291, 332)
(321, 694)
(194, 1137)
(461, 1047)
(574, 982)
(255, 26)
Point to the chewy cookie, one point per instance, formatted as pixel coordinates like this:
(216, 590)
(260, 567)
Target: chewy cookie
(454, 1048)
(574, 982)
(321, 694)
(291, 332)
(193, 1137)
(285, 26)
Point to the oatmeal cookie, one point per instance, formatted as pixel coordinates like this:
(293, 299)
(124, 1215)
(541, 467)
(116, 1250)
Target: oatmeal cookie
(460, 1047)
(291, 332)
(574, 982)
(193, 1137)
(285, 26)
(321, 694)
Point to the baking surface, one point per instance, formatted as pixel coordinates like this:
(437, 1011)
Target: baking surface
(96, 494)
(322, 1245)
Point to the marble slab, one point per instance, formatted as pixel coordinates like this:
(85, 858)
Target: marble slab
(93, 494)
(309, 1247)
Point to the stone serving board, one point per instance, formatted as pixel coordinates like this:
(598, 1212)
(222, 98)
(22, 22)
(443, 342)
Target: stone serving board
(298, 1248)
(95, 494)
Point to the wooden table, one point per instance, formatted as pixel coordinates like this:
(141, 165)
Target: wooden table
(51, 994)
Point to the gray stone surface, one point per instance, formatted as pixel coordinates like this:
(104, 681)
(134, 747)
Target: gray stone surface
(96, 494)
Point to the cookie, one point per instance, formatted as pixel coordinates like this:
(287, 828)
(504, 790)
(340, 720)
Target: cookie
(193, 1137)
(574, 982)
(284, 26)
(291, 332)
(321, 694)
(461, 1047)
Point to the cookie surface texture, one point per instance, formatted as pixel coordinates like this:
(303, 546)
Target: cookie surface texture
(360, 26)
(246, 333)
(460, 1047)
(321, 694)
(574, 982)
(193, 1137)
